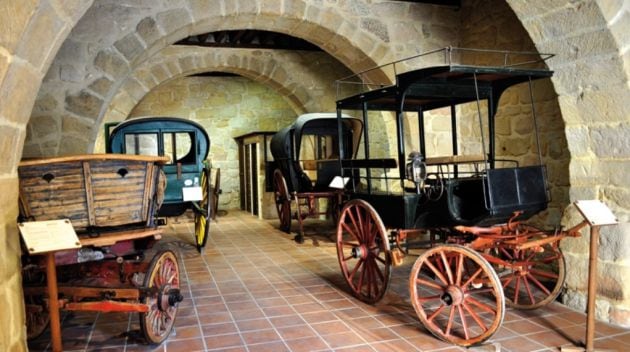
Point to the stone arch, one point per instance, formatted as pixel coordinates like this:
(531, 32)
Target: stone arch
(305, 86)
(591, 80)
(147, 33)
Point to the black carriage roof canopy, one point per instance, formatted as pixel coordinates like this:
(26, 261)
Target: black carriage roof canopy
(446, 84)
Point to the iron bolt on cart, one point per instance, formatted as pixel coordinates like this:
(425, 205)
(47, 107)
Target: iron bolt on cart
(453, 192)
(306, 162)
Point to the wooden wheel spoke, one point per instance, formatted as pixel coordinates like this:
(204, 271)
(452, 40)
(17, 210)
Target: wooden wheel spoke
(460, 269)
(436, 312)
(359, 225)
(351, 231)
(377, 270)
(447, 268)
(451, 317)
(437, 273)
(529, 291)
(539, 284)
(428, 298)
(473, 277)
(506, 253)
(507, 281)
(517, 289)
(355, 269)
(545, 274)
(481, 305)
(382, 260)
(431, 284)
(462, 317)
(475, 317)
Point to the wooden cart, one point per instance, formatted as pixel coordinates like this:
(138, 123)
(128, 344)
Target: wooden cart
(468, 207)
(111, 201)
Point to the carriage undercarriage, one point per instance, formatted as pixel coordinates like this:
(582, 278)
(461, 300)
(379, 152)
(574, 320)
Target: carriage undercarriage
(460, 284)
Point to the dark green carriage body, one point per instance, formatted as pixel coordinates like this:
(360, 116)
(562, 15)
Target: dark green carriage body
(185, 142)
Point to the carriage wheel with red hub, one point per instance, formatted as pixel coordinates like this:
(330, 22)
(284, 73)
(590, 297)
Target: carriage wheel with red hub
(535, 276)
(363, 251)
(283, 201)
(457, 295)
(203, 211)
(163, 297)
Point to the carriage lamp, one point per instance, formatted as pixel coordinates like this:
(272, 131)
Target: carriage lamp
(416, 169)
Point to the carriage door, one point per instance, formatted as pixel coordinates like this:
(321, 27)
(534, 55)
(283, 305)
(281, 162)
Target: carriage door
(248, 174)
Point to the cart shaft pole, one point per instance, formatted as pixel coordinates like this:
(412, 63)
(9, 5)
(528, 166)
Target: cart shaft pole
(592, 288)
(53, 302)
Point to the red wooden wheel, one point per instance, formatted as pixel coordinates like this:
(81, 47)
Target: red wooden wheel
(535, 275)
(283, 201)
(163, 278)
(363, 251)
(457, 295)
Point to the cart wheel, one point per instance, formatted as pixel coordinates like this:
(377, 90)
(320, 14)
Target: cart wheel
(216, 190)
(363, 251)
(162, 280)
(534, 278)
(37, 317)
(457, 295)
(283, 201)
(203, 211)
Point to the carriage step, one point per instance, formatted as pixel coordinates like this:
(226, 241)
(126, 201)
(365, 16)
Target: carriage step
(160, 221)
(397, 257)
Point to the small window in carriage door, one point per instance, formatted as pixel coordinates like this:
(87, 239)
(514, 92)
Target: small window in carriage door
(141, 144)
(178, 146)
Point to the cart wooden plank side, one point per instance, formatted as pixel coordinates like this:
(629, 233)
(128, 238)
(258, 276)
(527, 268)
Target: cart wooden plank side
(111, 201)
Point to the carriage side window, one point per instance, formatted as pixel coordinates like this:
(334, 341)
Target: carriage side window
(141, 144)
(178, 147)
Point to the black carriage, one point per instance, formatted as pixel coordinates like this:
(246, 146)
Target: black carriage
(305, 164)
(471, 201)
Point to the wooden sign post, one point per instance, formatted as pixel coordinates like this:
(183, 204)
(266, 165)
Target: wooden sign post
(48, 237)
(597, 214)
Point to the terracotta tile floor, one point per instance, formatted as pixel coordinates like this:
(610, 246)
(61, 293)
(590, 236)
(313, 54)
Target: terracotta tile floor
(255, 289)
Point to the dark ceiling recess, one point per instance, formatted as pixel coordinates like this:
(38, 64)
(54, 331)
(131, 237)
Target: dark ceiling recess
(250, 39)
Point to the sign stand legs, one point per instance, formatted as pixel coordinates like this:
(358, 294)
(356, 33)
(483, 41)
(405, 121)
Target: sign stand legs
(53, 302)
